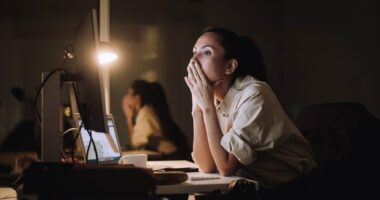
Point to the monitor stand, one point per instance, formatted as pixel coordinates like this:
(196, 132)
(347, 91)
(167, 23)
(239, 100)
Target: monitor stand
(51, 118)
(52, 114)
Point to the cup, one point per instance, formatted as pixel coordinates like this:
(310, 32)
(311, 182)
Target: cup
(138, 160)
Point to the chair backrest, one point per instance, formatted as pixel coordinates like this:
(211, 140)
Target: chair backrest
(338, 131)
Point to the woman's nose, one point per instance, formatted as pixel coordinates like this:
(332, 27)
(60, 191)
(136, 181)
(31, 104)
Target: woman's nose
(193, 59)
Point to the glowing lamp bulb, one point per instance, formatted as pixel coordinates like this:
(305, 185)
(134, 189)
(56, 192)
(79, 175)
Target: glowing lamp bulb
(106, 57)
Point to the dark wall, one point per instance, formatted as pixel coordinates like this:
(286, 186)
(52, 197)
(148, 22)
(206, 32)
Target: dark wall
(316, 51)
(329, 53)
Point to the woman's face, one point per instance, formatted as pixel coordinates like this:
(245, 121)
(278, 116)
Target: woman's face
(133, 99)
(209, 54)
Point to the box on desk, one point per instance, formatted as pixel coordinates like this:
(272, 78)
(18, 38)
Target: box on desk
(88, 180)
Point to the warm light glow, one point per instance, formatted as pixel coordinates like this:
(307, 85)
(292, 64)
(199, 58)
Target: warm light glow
(106, 57)
(106, 53)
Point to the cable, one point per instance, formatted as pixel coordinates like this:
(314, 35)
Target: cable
(72, 149)
(37, 116)
(89, 131)
(16, 183)
(63, 155)
(74, 142)
(73, 146)
(69, 130)
(43, 83)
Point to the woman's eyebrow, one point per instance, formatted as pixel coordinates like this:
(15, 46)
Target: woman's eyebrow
(207, 45)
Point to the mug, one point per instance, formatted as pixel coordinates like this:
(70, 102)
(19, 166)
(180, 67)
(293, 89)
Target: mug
(138, 160)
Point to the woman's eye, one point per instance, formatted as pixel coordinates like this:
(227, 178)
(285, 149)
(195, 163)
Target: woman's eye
(207, 53)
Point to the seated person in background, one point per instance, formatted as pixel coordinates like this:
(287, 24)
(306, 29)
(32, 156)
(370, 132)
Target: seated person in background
(149, 121)
(239, 125)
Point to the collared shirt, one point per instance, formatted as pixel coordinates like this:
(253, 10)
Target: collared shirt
(148, 126)
(260, 135)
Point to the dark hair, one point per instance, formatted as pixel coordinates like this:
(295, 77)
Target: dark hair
(153, 94)
(244, 50)
(142, 88)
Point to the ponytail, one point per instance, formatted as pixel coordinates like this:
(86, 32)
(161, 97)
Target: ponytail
(249, 57)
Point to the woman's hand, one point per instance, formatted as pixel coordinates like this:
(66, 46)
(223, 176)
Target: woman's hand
(200, 87)
(195, 108)
(128, 108)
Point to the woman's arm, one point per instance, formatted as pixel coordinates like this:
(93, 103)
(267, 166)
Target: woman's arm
(225, 162)
(129, 113)
(130, 128)
(201, 149)
(202, 92)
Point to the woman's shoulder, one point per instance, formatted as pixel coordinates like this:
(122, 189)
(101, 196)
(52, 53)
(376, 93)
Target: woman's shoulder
(249, 86)
(146, 108)
(146, 111)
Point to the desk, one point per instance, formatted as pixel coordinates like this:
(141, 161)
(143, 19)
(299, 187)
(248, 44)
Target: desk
(152, 155)
(8, 193)
(191, 187)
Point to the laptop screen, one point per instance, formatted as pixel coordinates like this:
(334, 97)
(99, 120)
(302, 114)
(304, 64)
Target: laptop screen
(107, 150)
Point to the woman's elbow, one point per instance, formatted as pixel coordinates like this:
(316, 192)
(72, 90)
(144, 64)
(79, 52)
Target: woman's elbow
(207, 169)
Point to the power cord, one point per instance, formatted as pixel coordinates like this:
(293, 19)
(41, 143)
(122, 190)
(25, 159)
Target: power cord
(82, 111)
(51, 73)
(89, 131)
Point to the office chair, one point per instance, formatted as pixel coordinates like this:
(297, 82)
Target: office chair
(342, 138)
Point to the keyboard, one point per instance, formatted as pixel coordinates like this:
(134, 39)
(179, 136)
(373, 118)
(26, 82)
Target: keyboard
(204, 177)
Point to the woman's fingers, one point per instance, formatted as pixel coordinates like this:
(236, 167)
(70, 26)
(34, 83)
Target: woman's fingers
(188, 83)
(200, 72)
(195, 71)
(191, 75)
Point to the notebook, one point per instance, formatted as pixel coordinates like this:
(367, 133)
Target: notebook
(107, 145)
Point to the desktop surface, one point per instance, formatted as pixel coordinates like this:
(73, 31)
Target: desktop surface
(8, 193)
(197, 182)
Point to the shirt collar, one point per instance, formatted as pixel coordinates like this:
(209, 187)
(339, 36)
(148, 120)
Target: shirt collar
(238, 85)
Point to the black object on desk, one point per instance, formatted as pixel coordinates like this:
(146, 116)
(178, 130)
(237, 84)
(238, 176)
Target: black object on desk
(183, 169)
(69, 181)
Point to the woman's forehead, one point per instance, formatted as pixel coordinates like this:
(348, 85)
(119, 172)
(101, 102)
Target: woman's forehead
(207, 39)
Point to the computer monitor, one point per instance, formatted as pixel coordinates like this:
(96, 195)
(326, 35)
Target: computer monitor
(90, 88)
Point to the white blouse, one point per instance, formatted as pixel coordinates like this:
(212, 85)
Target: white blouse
(260, 135)
(147, 125)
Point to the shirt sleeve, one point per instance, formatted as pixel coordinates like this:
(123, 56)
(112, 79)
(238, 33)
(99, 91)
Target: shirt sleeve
(146, 125)
(253, 129)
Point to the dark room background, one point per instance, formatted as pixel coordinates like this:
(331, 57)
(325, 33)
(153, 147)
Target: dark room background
(316, 51)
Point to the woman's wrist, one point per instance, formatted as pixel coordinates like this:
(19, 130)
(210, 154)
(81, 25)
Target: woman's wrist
(207, 108)
(196, 111)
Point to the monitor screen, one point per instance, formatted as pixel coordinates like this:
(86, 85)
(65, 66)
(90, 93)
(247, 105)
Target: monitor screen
(90, 88)
(107, 150)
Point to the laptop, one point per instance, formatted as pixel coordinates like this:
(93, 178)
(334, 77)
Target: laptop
(107, 145)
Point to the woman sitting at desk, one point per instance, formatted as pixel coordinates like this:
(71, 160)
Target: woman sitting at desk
(149, 121)
(239, 125)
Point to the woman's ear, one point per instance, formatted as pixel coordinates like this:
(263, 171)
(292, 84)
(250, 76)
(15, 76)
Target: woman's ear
(231, 66)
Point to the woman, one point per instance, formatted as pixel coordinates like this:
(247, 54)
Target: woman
(149, 121)
(239, 125)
